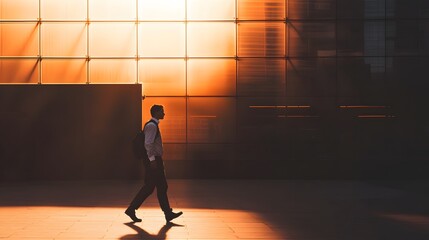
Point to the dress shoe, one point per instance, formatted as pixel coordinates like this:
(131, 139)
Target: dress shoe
(172, 215)
(132, 214)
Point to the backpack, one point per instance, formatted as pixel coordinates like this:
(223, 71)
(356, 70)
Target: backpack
(139, 149)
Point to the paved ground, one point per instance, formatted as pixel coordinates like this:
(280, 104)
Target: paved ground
(218, 209)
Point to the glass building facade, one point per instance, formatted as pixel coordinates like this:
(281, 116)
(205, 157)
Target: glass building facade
(232, 74)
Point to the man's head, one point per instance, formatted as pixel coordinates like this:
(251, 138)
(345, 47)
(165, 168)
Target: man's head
(157, 111)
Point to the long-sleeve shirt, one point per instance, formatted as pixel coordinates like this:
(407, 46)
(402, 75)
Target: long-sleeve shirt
(153, 143)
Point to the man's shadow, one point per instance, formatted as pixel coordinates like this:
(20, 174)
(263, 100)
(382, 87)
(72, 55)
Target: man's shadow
(142, 234)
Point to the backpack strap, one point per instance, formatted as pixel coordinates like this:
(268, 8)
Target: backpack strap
(156, 124)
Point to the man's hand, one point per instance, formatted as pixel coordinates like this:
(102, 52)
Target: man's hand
(153, 165)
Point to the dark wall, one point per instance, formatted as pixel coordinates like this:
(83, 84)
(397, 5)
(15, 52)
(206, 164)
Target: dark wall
(74, 132)
(68, 131)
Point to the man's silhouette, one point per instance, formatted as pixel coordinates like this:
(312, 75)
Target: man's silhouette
(155, 175)
(142, 234)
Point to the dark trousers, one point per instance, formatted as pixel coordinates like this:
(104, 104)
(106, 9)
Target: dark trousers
(155, 178)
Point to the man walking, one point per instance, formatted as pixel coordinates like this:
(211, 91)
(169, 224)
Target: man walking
(155, 175)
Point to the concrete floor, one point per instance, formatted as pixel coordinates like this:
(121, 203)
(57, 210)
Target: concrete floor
(218, 209)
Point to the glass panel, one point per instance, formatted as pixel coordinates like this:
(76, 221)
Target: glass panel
(112, 39)
(361, 38)
(261, 9)
(159, 82)
(18, 71)
(162, 10)
(312, 39)
(112, 9)
(64, 39)
(173, 126)
(162, 39)
(211, 39)
(407, 37)
(211, 77)
(211, 9)
(361, 80)
(311, 77)
(112, 71)
(261, 77)
(173, 151)
(407, 9)
(211, 120)
(24, 41)
(64, 9)
(260, 119)
(366, 9)
(261, 39)
(217, 155)
(19, 9)
(64, 71)
(305, 9)
(408, 84)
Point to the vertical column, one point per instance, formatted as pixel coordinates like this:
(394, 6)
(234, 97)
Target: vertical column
(88, 58)
(137, 41)
(39, 60)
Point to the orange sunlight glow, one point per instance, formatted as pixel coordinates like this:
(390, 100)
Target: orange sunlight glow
(49, 222)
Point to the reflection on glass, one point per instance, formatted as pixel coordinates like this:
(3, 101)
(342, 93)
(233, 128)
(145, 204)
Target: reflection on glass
(112, 71)
(260, 119)
(112, 9)
(362, 9)
(157, 81)
(64, 71)
(118, 39)
(261, 9)
(261, 77)
(361, 79)
(313, 77)
(261, 39)
(211, 9)
(173, 151)
(211, 77)
(18, 71)
(24, 41)
(162, 39)
(19, 9)
(407, 38)
(320, 9)
(64, 9)
(211, 39)
(162, 10)
(173, 127)
(211, 120)
(312, 39)
(65, 39)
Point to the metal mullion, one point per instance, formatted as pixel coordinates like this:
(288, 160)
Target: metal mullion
(262, 20)
(236, 70)
(137, 41)
(111, 57)
(286, 49)
(63, 57)
(19, 57)
(19, 21)
(149, 57)
(163, 21)
(113, 21)
(63, 21)
(39, 24)
(186, 77)
(88, 75)
(215, 21)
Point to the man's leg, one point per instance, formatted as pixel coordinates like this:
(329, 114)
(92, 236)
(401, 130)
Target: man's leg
(145, 191)
(161, 190)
